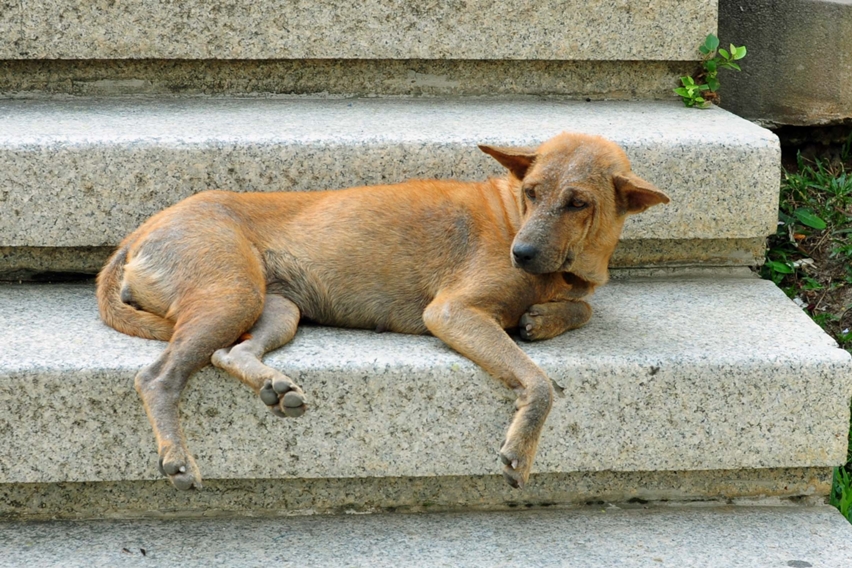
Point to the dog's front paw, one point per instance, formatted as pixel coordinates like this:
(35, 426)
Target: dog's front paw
(176, 464)
(516, 465)
(533, 324)
(544, 321)
(283, 397)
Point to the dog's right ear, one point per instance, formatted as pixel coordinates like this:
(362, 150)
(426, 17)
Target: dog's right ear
(516, 160)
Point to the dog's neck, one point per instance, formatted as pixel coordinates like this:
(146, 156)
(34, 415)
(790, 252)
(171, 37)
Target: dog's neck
(508, 189)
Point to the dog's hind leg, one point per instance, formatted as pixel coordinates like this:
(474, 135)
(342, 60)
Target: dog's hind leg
(475, 333)
(275, 327)
(205, 324)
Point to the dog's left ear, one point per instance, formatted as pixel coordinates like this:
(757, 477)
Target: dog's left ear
(516, 160)
(636, 194)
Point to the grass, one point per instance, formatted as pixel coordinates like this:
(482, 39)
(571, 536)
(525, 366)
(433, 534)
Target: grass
(810, 258)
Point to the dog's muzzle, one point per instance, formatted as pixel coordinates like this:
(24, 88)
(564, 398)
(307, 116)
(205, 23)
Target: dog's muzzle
(524, 255)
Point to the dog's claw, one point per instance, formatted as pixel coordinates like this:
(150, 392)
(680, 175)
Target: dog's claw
(514, 464)
(515, 483)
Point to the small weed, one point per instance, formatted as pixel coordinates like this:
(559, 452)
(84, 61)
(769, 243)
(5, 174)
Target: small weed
(702, 89)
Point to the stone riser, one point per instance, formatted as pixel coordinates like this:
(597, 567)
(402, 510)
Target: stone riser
(371, 29)
(596, 80)
(159, 499)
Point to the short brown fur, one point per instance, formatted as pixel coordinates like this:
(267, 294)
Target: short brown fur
(460, 260)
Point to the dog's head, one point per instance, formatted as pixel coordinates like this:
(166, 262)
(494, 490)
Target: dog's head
(573, 193)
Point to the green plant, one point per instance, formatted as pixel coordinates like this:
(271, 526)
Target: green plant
(810, 258)
(701, 89)
(841, 492)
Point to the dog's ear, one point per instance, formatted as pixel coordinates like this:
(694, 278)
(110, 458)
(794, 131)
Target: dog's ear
(635, 194)
(516, 160)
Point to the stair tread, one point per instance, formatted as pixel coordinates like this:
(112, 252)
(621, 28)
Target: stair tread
(670, 374)
(709, 537)
(85, 172)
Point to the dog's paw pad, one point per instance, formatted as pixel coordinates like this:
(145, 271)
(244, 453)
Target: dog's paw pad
(283, 398)
(182, 472)
(530, 326)
(268, 394)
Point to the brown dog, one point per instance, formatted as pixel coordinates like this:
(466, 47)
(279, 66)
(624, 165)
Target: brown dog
(463, 261)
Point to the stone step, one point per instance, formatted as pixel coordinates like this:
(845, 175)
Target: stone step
(375, 29)
(85, 172)
(743, 537)
(708, 376)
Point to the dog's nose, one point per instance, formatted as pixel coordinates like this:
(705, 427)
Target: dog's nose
(524, 253)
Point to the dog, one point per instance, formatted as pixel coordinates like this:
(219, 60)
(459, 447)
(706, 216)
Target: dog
(226, 277)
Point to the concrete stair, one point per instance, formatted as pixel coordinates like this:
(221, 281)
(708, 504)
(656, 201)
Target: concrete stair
(694, 381)
(78, 174)
(704, 537)
(703, 376)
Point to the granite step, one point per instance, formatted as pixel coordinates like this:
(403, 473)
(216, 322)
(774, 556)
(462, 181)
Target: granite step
(374, 47)
(732, 537)
(716, 377)
(373, 29)
(82, 173)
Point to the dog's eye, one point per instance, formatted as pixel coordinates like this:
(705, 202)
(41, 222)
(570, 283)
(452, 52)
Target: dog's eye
(530, 193)
(576, 205)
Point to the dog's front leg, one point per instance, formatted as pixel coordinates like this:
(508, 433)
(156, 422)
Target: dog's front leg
(476, 334)
(544, 321)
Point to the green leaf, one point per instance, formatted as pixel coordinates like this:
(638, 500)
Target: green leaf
(734, 66)
(703, 49)
(712, 42)
(739, 52)
(724, 53)
(713, 84)
(780, 267)
(784, 218)
(687, 81)
(807, 217)
(682, 92)
(710, 65)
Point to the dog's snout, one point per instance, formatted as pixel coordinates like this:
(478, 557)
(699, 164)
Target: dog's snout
(524, 253)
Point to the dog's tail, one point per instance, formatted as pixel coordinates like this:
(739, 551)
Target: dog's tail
(121, 316)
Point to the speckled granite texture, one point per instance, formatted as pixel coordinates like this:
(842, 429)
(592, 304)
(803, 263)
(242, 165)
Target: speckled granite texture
(680, 374)
(223, 497)
(86, 172)
(675, 537)
(371, 29)
(612, 80)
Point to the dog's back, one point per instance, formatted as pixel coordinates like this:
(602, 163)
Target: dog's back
(365, 257)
